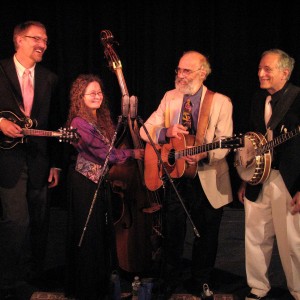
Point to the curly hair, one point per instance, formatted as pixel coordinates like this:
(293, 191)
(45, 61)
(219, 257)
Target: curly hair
(103, 121)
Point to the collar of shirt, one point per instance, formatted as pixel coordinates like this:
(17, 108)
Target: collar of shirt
(20, 70)
(195, 99)
(276, 96)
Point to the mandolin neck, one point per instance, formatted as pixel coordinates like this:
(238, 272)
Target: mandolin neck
(37, 132)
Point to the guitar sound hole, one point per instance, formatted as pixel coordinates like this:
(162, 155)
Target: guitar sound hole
(171, 157)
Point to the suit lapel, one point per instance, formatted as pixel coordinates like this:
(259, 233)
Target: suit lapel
(174, 110)
(13, 82)
(283, 105)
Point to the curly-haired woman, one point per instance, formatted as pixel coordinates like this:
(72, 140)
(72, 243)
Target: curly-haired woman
(91, 257)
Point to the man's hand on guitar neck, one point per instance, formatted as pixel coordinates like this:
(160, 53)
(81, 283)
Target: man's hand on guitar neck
(174, 130)
(193, 159)
(10, 128)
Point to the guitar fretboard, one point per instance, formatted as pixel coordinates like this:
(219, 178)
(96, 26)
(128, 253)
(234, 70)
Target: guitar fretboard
(198, 149)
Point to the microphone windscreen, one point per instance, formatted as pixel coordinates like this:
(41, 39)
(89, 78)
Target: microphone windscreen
(133, 107)
(125, 106)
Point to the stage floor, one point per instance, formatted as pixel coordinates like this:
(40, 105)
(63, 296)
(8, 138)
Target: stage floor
(229, 270)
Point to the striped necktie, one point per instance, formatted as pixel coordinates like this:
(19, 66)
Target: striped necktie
(27, 92)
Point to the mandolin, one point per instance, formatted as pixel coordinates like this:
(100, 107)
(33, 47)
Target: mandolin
(69, 135)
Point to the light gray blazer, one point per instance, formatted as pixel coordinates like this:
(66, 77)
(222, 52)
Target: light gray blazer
(213, 174)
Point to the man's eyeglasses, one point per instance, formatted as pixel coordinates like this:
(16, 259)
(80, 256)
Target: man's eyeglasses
(185, 72)
(38, 39)
(93, 94)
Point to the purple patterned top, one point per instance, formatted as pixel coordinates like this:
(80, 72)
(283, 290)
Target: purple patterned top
(93, 148)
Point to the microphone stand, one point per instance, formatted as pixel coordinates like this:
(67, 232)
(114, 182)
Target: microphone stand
(104, 171)
(168, 175)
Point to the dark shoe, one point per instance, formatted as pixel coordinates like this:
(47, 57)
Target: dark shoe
(24, 291)
(193, 287)
(198, 288)
(8, 294)
(251, 296)
(166, 291)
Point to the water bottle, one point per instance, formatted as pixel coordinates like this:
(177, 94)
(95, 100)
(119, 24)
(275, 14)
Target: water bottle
(145, 290)
(135, 287)
(207, 293)
(115, 286)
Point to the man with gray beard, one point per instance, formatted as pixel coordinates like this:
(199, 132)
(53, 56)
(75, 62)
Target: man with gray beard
(192, 110)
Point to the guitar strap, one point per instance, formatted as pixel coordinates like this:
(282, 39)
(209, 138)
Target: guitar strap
(204, 117)
(283, 105)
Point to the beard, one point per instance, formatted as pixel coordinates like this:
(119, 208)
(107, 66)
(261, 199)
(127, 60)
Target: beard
(184, 85)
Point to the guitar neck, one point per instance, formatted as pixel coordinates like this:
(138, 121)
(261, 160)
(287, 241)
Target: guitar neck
(38, 132)
(278, 140)
(197, 149)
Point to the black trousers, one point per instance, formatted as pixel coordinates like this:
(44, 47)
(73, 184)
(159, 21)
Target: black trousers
(91, 253)
(206, 220)
(24, 220)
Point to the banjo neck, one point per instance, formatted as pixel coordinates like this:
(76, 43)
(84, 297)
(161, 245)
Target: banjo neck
(277, 141)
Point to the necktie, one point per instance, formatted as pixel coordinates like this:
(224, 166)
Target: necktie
(27, 91)
(187, 115)
(268, 113)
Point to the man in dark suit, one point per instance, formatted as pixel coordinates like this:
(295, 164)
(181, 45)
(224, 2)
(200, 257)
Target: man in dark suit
(272, 208)
(27, 169)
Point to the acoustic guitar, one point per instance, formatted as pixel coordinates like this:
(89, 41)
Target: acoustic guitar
(63, 134)
(172, 157)
(253, 161)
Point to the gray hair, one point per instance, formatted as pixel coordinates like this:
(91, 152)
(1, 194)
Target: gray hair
(204, 62)
(285, 61)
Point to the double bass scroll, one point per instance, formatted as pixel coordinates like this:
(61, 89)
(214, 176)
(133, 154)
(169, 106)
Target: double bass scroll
(114, 62)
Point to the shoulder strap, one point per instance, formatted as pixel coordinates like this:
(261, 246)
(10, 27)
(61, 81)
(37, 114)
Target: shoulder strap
(283, 105)
(204, 117)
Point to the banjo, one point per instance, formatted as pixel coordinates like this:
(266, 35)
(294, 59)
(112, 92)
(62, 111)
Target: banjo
(253, 161)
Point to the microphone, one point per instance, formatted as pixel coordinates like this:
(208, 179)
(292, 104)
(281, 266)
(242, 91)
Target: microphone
(133, 107)
(125, 106)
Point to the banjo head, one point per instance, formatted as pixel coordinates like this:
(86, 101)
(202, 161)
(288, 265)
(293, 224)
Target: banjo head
(249, 164)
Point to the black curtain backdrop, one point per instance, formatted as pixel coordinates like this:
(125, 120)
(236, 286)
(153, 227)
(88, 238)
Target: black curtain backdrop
(151, 37)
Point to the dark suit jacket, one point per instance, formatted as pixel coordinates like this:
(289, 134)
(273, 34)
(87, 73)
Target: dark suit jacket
(39, 153)
(286, 155)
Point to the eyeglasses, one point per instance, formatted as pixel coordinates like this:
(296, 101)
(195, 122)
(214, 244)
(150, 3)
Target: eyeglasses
(93, 94)
(185, 72)
(38, 39)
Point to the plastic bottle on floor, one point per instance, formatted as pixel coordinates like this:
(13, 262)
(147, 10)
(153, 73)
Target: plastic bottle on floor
(135, 287)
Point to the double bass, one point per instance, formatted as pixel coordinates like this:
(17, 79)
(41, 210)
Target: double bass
(137, 209)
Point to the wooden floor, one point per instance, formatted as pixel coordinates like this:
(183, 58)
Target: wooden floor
(60, 296)
(229, 270)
